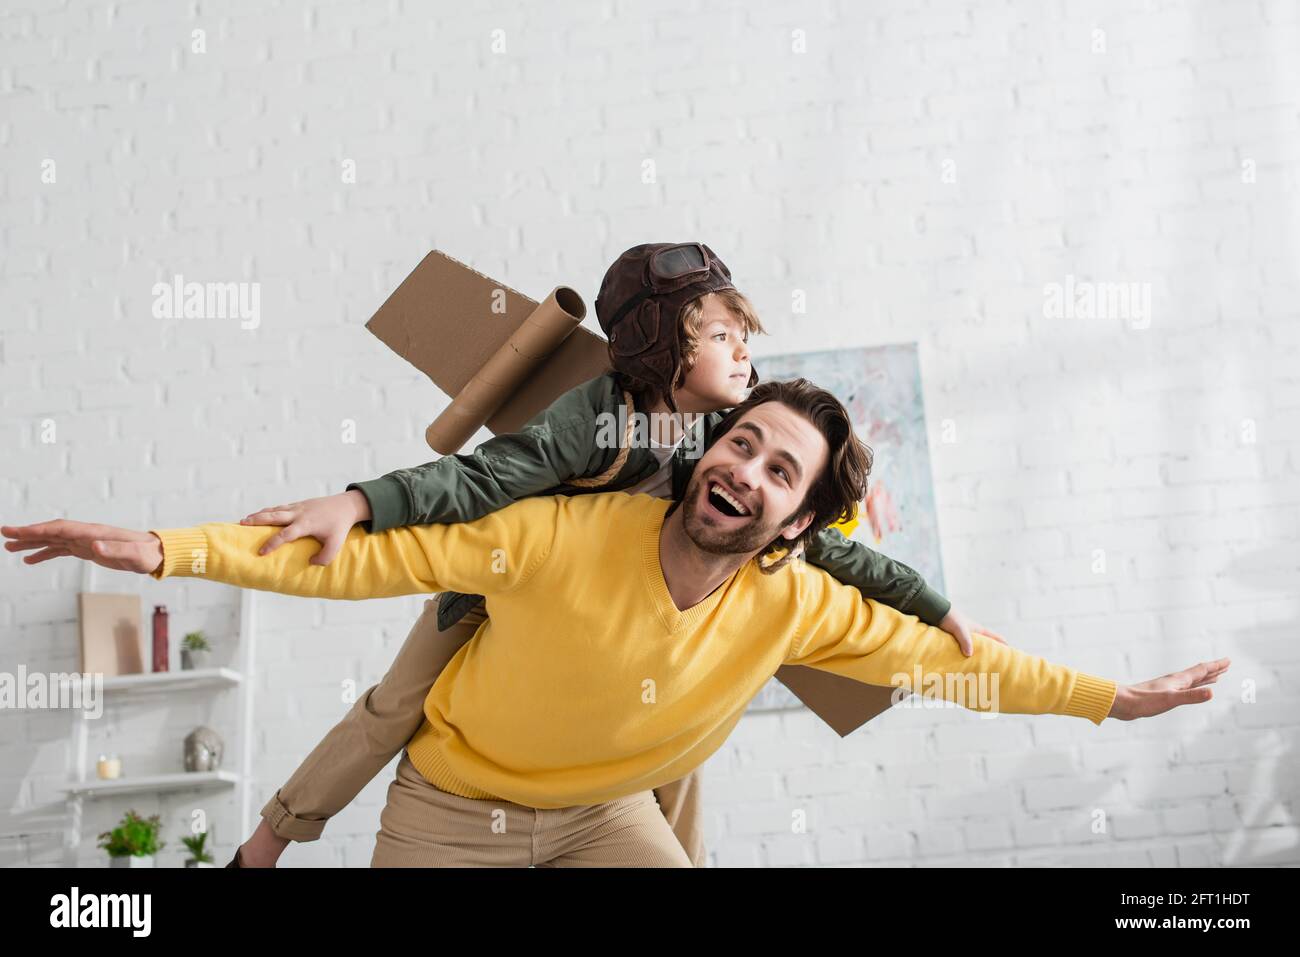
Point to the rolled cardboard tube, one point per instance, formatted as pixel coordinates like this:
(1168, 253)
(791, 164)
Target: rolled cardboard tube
(539, 335)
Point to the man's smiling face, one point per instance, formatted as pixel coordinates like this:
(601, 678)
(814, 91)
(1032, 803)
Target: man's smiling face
(749, 486)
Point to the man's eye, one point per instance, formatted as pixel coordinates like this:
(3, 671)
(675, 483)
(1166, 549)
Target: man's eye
(779, 471)
(720, 335)
(742, 442)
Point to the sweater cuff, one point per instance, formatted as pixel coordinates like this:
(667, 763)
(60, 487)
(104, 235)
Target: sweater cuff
(1092, 698)
(387, 503)
(185, 552)
(929, 606)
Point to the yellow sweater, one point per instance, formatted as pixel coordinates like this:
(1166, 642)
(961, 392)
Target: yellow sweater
(587, 683)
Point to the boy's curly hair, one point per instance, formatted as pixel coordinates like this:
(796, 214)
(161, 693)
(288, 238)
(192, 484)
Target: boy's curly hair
(688, 337)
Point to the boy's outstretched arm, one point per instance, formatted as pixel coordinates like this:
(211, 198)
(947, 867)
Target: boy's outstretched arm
(556, 446)
(490, 556)
(892, 583)
(552, 449)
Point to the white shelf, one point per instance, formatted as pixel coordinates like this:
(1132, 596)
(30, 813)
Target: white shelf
(154, 782)
(173, 681)
(153, 689)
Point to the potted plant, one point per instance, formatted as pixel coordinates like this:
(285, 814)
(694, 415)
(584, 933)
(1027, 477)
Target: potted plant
(134, 842)
(194, 651)
(198, 856)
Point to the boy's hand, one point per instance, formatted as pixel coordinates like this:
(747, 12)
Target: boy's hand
(327, 519)
(961, 628)
(118, 548)
(1163, 694)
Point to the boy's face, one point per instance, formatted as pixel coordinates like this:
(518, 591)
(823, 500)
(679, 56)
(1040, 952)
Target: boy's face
(720, 377)
(767, 462)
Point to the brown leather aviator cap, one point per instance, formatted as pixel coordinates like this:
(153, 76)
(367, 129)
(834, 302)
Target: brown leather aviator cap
(640, 300)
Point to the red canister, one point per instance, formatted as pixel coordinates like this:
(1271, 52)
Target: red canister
(160, 638)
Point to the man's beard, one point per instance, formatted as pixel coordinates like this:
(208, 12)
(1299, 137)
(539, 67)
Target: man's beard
(744, 539)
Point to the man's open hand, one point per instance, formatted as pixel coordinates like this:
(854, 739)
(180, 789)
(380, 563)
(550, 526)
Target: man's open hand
(118, 548)
(1189, 686)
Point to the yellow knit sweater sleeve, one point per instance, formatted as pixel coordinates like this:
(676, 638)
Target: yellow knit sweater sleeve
(492, 555)
(861, 639)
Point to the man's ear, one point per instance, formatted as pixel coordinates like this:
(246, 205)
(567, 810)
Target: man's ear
(796, 528)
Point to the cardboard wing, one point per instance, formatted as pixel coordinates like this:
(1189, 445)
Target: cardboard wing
(502, 357)
(841, 702)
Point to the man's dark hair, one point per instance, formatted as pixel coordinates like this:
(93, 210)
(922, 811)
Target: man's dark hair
(841, 485)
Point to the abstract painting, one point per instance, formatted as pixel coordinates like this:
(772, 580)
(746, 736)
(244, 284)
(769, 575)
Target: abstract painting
(881, 388)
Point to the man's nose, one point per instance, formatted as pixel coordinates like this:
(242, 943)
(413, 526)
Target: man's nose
(743, 474)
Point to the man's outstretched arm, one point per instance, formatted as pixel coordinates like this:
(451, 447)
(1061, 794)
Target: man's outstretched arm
(879, 645)
(492, 555)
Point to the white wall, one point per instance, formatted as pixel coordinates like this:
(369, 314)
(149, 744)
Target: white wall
(921, 172)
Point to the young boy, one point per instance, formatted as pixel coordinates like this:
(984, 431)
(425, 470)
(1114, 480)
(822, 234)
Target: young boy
(678, 332)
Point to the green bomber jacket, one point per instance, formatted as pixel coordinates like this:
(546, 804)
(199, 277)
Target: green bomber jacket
(567, 450)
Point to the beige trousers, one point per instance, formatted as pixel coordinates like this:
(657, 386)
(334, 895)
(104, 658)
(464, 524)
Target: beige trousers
(384, 719)
(423, 826)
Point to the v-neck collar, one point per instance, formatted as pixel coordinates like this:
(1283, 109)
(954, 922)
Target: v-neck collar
(673, 618)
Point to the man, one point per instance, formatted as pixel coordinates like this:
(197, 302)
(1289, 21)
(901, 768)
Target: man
(625, 638)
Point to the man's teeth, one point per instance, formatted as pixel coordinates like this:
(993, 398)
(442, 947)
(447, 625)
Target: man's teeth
(721, 492)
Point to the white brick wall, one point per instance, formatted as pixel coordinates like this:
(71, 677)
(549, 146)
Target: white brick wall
(822, 171)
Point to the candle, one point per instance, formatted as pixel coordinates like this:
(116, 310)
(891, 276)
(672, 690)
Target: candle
(108, 768)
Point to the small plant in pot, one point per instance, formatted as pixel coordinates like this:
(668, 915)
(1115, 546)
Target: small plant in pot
(134, 842)
(194, 651)
(199, 857)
